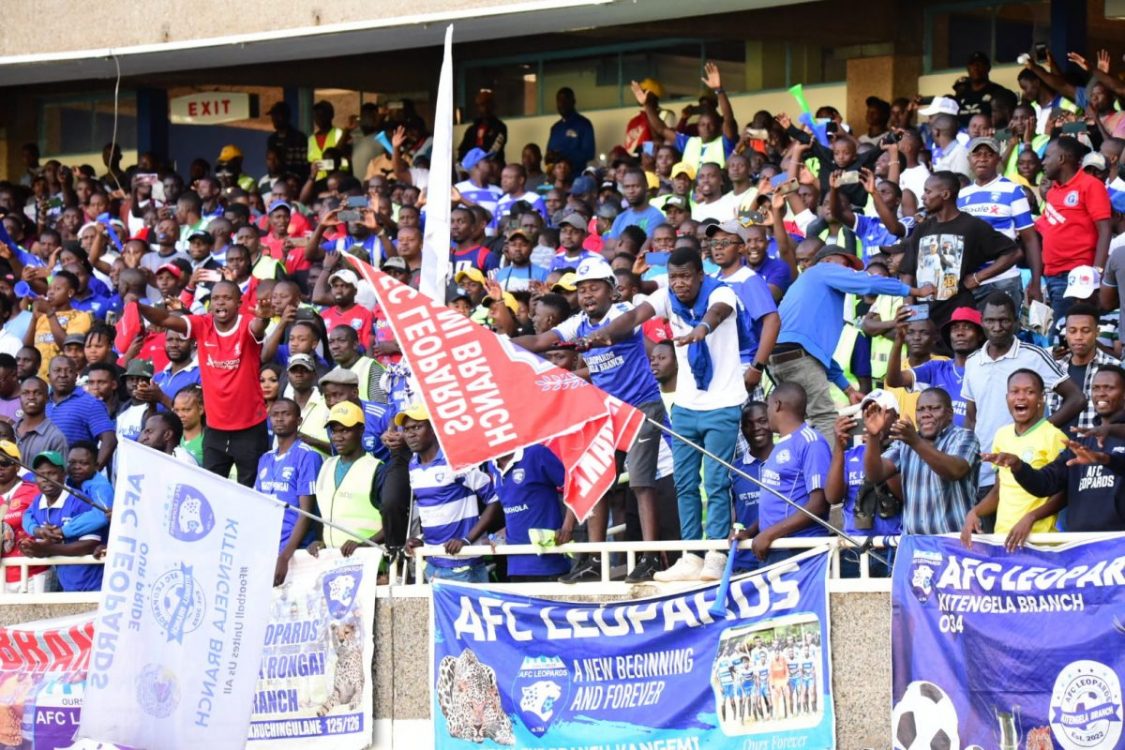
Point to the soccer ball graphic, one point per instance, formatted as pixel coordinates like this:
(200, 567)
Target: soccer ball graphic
(925, 719)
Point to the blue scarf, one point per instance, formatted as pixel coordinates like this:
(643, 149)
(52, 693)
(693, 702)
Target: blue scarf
(699, 354)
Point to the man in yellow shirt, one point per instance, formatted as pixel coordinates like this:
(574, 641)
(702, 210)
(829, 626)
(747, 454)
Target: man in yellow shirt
(53, 318)
(1037, 442)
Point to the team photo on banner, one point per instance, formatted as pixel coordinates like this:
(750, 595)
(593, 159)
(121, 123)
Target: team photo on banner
(1003, 650)
(531, 673)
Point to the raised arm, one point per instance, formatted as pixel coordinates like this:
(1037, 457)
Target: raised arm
(949, 467)
(163, 318)
(713, 81)
(836, 483)
(842, 214)
(877, 468)
(1073, 402)
(886, 215)
(660, 131)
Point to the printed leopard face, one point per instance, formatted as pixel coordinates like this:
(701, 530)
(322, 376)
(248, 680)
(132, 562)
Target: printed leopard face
(470, 700)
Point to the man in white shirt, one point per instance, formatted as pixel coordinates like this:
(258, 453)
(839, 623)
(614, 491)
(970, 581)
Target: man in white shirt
(948, 152)
(709, 394)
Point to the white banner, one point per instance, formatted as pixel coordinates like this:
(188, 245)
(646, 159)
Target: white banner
(435, 242)
(179, 631)
(314, 687)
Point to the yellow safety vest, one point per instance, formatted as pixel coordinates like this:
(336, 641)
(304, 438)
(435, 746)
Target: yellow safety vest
(316, 153)
(697, 153)
(348, 505)
(887, 307)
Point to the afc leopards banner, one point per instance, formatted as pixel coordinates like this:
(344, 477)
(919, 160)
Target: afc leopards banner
(1008, 650)
(179, 631)
(654, 673)
(314, 683)
(314, 687)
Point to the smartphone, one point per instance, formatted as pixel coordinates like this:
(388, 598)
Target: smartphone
(850, 177)
(350, 216)
(790, 186)
(778, 180)
(759, 134)
(327, 165)
(1003, 134)
(918, 312)
(146, 178)
(1040, 51)
(54, 202)
(211, 276)
(1072, 128)
(357, 201)
(657, 259)
(647, 148)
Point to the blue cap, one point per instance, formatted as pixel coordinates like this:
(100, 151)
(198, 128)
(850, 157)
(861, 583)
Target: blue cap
(583, 185)
(473, 158)
(280, 204)
(1116, 198)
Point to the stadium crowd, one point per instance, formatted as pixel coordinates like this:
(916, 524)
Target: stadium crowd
(917, 323)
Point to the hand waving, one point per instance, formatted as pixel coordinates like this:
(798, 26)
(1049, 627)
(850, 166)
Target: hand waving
(711, 80)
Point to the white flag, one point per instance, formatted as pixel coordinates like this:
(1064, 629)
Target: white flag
(435, 242)
(182, 621)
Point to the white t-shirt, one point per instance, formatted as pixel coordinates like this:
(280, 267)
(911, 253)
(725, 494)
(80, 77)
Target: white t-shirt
(914, 180)
(722, 210)
(726, 387)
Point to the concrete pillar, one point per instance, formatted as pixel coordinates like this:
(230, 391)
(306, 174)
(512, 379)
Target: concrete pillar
(152, 122)
(884, 76)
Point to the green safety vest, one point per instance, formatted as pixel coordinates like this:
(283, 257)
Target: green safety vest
(316, 153)
(697, 153)
(348, 505)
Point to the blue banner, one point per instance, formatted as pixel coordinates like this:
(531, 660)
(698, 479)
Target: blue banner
(1008, 650)
(657, 673)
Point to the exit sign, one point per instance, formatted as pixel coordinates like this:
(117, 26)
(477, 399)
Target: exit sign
(212, 108)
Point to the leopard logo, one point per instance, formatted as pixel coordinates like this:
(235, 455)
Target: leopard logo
(470, 700)
(347, 684)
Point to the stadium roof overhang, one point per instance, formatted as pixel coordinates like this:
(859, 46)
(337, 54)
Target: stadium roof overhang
(355, 38)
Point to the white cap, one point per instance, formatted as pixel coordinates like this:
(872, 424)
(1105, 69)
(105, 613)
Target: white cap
(347, 276)
(885, 400)
(941, 105)
(1082, 282)
(1095, 160)
(594, 269)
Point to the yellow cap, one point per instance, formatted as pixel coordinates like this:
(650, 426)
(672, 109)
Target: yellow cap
(417, 412)
(566, 283)
(472, 274)
(346, 414)
(230, 151)
(509, 300)
(682, 167)
(652, 86)
(10, 449)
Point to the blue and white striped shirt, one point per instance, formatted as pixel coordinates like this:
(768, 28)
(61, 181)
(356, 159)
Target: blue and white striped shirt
(1002, 203)
(448, 504)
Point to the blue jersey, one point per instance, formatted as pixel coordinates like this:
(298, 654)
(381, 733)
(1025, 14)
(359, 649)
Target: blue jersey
(944, 374)
(288, 476)
(854, 476)
(378, 418)
(478, 257)
(621, 370)
(796, 468)
(486, 197)
(757, 300)
(807, 667)
(560, 260)
(66, 508)
(746, 494)
(1002, 203)
(448, 504)
(874, 233)
(528, 490)
(504, 206)
(726, 677)
(515, 279)
(794, 667)
(647, 218)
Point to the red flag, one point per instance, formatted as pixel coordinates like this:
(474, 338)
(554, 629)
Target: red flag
(488, 397)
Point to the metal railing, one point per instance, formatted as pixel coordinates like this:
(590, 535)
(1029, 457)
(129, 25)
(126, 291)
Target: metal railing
(409, 571)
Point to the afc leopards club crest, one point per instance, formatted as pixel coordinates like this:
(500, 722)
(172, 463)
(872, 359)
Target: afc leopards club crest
(517, 476)
(540, 689)
(923, 569)
(158, 691)
(340, 588)
(1086, 706)
(191, 517)
(177, 602)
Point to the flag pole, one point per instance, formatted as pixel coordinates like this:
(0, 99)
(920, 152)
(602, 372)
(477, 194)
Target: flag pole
(861, 547)
(65, 487)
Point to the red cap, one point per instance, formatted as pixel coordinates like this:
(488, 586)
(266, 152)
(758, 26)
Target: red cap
(967, 315)
(178, 272)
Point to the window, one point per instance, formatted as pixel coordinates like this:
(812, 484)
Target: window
(84, 126)
(1004, 31)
